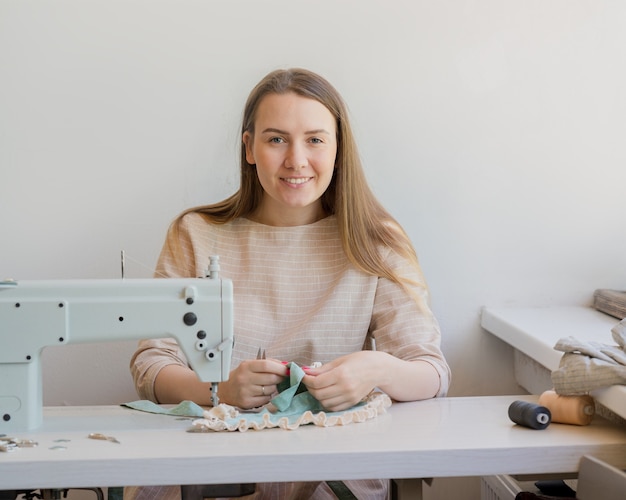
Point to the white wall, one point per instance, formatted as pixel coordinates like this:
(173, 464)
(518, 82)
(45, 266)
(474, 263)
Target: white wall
(493, 130)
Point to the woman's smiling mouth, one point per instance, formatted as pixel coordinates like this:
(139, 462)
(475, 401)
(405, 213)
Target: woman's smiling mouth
(295, 180)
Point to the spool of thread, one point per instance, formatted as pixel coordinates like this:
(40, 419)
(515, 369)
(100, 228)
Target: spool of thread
(529, 414)
(576, 410)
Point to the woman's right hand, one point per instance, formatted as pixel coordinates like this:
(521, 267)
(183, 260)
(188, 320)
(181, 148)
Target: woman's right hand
(253, 383)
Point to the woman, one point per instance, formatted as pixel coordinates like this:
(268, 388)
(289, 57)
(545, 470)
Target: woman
(319, 268)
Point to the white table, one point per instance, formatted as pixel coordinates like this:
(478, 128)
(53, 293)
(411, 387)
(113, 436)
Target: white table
(534, 331)
(435, 438)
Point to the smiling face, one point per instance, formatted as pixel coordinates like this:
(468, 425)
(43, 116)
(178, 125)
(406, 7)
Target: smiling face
(293, 146)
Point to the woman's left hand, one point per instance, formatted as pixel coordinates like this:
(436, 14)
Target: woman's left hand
(343, 382)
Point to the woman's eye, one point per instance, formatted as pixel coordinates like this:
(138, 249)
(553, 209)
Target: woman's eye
(276, 140)
(316, 140)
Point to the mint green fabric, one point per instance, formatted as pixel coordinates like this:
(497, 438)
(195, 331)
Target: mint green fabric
(293, 395)
(294, 406)
(184, 409)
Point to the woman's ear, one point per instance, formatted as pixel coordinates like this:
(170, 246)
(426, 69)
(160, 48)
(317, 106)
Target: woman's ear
(247, 142)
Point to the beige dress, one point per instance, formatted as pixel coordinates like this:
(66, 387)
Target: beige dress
(297, 296)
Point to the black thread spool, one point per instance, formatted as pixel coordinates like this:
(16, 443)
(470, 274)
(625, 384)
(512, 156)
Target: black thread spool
(529, 415)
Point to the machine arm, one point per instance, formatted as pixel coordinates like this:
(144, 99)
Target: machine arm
(198, 313)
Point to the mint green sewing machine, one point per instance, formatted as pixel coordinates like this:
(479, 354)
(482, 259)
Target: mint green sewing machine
(198, 313)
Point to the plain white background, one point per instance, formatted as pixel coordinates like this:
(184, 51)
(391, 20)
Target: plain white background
(493, 130)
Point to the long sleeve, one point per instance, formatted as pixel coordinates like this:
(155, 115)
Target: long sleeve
(297, 296)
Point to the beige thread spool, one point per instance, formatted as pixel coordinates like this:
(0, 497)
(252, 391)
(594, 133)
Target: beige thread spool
(577, 410)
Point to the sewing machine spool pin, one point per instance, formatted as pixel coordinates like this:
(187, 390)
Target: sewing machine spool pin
(214, 267)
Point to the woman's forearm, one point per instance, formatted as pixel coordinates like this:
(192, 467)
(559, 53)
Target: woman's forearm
(176, 383)
(407, 380)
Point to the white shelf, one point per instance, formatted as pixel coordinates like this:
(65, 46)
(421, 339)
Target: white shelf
(535, 330)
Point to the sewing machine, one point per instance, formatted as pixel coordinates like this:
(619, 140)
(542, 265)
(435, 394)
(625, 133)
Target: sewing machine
(198, 313)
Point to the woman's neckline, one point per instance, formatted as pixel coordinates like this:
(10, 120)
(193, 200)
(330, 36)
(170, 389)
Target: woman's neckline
(296, 226)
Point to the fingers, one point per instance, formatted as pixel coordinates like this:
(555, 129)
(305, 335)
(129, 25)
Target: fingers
(267, 391)
(259, 395)
(333, 398)
(267, 366)
(339, 405)
(252, 395)
(338, 385)
(254, 382)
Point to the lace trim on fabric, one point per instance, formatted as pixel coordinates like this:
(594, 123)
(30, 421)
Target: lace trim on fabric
(228, 418)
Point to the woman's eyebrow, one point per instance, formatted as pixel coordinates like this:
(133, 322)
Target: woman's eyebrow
(271, 130)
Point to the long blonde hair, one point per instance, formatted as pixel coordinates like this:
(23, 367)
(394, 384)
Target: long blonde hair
(364, 225)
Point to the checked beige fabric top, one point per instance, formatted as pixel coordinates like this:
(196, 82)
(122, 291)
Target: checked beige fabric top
(297, 296)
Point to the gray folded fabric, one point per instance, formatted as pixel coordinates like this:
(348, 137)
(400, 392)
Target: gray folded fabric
(588, 365)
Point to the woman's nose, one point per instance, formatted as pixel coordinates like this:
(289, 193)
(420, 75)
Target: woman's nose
(296, 157)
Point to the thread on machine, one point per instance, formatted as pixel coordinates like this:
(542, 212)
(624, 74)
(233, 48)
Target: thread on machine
(576, 410)
(529, 415)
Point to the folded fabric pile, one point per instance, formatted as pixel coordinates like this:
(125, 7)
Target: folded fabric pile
(294, 406)
(612, 302)
(589, 365)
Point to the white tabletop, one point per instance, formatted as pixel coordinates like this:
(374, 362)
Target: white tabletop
(535, 330)
(434, 438)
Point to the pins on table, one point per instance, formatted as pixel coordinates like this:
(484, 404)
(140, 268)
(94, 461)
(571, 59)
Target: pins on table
(8, 444)
(102, 437)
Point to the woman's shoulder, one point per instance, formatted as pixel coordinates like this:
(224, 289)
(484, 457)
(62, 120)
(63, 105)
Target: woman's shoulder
(198, 220)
